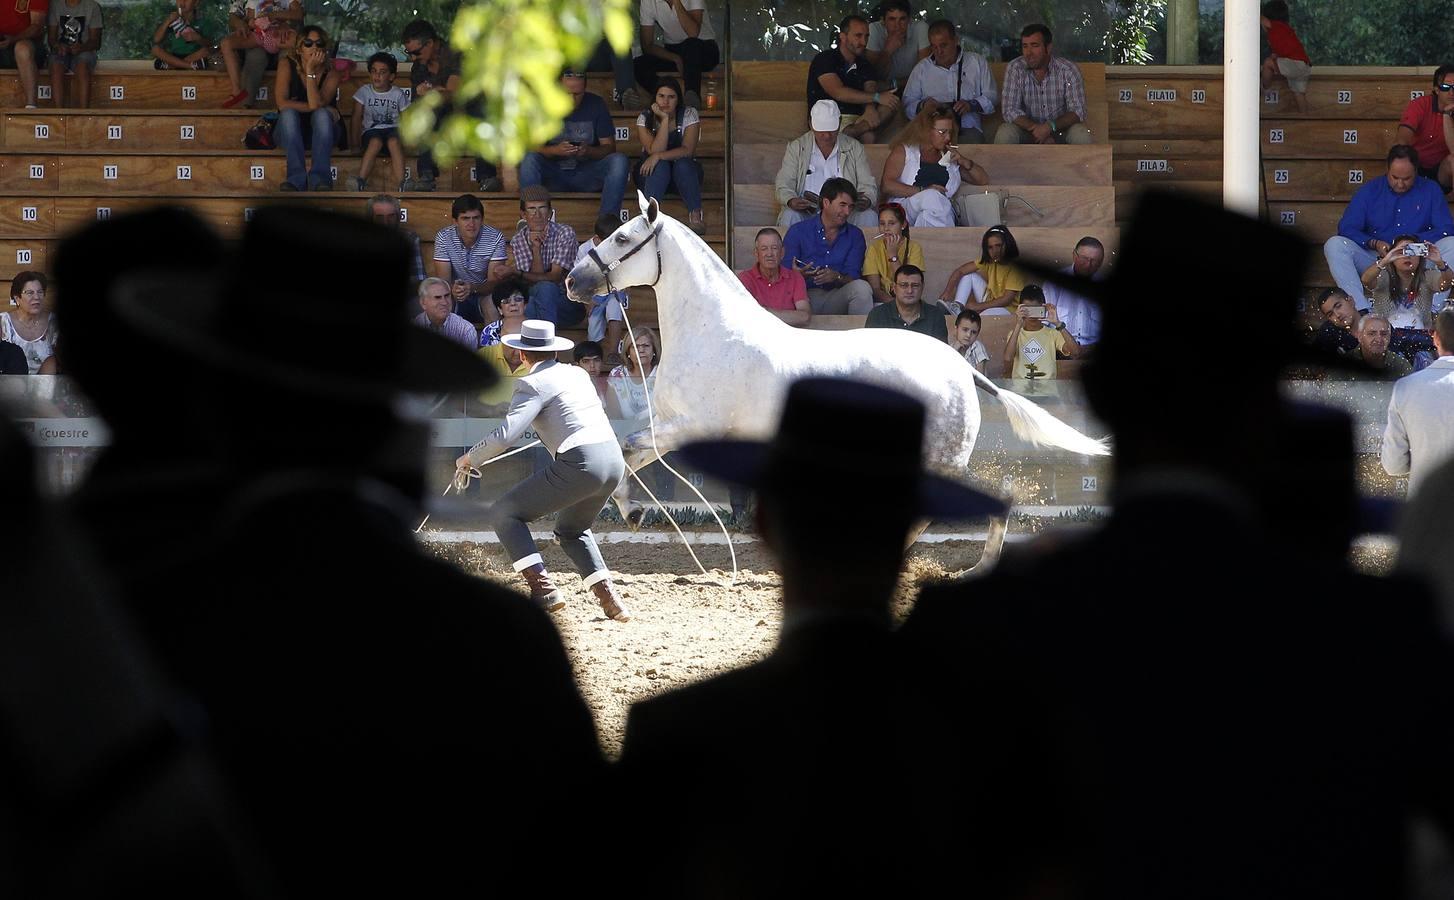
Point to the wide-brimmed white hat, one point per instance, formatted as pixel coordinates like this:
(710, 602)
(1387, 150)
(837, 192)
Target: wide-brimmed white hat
(825, 116)
(537, 334)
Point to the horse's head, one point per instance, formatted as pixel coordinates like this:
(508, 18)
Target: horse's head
(629, 257)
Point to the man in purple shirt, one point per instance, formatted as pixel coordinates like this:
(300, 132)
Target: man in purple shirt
(436, 303)
(829, 252)
(1402, 202)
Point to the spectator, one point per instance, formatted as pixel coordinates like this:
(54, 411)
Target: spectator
(1036, 336)
(991, 282)
(907, 310)
(1339, 331)
(545, 252)
(587, 355)
(22, 43)
(438, 316)
(1044, 98)
(780, 291)
(689, 45)
(177, 43)
(376, 121)
(266, 25)
(1420, 431)
(896, 43)
(75, 36)
(631, 380)
(1081, 315)
(12, 360)
(28, 325)
(508, 298)
(1287, 56)
(435, 67)
(1373, 337)
(472, 253)
(623, 93)
(816, 156)
(844, 75)
(966, 339)
(1402, 286)
(1402, 202)
(954, 77)
(604, 322)
(255, 59)
(668, 132)
(308, 119)
(583, 156)
(1426, 127)
(926, 167)
(760, 770)
(385, 211)
(829, 252)
(888, 250)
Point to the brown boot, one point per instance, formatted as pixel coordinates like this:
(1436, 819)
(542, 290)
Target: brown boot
(542, 589)
(611, 605)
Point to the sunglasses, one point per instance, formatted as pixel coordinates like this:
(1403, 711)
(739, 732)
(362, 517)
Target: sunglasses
(309, 42)
(1445, 88)
(571, 73)
(418, 50)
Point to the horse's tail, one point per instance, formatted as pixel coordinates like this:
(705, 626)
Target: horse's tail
(1033, 424)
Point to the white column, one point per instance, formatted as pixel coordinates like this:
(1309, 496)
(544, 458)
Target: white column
(1241, 103)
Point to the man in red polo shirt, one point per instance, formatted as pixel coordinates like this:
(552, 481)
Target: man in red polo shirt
(783, 292)
(1427, 128)
(22, 41)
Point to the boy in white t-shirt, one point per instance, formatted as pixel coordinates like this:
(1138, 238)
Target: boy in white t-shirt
(376, 126)
(604, 325)
(965, 339)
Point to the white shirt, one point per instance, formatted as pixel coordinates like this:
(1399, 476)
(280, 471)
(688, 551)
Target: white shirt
(1082, 317)
(821, 168)
(1420, 431)
(904, 58)
(562, 404)
(660, 14)
(967, 78)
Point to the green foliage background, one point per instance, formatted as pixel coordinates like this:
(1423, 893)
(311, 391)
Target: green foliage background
(1354, 32)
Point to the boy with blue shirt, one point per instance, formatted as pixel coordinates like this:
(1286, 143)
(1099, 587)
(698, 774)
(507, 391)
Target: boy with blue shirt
(829, 252)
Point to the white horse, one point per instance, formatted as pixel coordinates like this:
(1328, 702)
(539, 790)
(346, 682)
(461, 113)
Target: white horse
(727, 362)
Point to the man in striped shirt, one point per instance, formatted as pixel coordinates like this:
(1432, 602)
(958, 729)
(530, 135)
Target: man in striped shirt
(1044, 97)
(435, 302)
(471, 252)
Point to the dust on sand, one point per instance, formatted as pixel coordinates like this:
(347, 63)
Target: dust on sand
(686, 627)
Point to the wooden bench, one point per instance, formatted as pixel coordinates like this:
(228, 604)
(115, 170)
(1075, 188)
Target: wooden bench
(946, 248)
(994, 334)
(770, 100)
(1059, 206)
(141, 87)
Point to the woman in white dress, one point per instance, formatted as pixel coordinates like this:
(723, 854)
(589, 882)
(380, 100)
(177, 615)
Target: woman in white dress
(926, 167)
(27, 324)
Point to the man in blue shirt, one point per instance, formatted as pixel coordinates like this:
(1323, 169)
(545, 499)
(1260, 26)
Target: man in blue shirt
(583, 157)
(1402, 202)
(829, 253)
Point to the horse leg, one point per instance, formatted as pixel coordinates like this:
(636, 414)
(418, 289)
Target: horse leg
(993, 544)
(641, 451)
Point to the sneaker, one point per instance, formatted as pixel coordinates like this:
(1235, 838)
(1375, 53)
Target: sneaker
(359, 184)
(288, 186)
(199, 65)
(633, 99)
(492, 185)
(320, 185)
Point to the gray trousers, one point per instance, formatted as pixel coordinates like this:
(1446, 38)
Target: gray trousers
(575, 486)
(254, 67)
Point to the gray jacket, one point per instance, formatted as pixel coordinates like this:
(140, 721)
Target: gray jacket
(852, 162)
(560, 401)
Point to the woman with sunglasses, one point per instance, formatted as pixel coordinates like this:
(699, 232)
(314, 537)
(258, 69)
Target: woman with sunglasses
(308, 118)
(925, 168)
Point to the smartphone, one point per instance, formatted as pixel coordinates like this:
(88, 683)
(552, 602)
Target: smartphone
(1033, 312)
(1419, 249)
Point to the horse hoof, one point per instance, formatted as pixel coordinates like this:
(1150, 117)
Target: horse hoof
(633, 518)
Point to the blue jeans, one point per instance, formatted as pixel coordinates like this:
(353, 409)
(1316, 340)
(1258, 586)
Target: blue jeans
(295, 135)
(607, 175)
(548, 301)
(1347, 262)
(685, 173)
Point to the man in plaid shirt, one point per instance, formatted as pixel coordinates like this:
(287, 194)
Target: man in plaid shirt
(1044, 96)
(544, 253)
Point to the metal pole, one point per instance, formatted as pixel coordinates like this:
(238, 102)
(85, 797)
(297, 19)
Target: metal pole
(1241, 101)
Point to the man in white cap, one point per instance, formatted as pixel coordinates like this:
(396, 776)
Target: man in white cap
(560, 403)
(813, 158)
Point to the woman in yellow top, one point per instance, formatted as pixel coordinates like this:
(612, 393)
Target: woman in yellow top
(992, 281)
(891, 249)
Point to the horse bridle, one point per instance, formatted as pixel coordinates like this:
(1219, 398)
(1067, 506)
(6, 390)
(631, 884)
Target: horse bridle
(606, 270)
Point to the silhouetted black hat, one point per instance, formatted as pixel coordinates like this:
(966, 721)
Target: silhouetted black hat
(820, 443)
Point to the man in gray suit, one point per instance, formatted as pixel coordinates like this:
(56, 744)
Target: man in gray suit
(1420, 431)
(561, 403)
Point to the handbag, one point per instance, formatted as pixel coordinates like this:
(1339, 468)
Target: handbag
(260, 135)
(931, 174)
